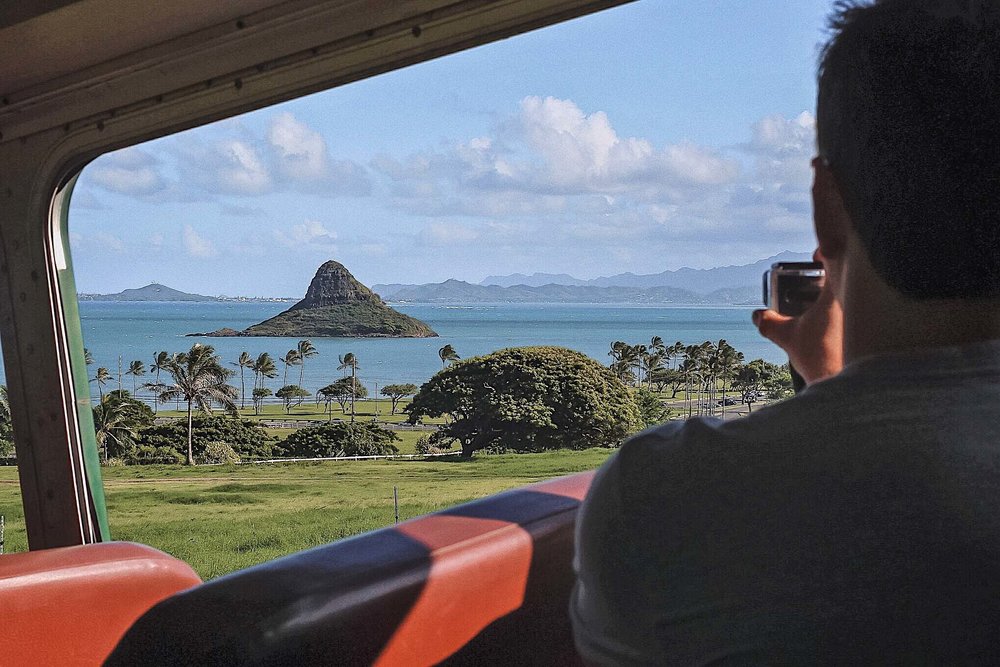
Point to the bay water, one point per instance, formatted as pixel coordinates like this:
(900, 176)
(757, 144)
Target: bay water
(137, 330)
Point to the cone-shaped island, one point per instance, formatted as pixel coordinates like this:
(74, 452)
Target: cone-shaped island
(336, 305)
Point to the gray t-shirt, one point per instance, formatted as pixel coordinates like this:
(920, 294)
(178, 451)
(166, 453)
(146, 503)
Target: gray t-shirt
(858, 522)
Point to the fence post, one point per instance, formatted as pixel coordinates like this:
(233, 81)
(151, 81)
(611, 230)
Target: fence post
(395, 501)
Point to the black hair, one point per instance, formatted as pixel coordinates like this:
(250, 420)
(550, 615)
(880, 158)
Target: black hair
(908, 118)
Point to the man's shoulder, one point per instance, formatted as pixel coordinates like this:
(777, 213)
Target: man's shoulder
(706, 450)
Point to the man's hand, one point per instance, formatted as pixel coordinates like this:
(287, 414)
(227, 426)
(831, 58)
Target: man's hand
(814, 340)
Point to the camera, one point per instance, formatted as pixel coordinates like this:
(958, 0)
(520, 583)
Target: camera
(791, 287)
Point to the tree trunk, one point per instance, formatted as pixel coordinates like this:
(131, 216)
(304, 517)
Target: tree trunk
(243, 389)
(354, 388)
(190, 460)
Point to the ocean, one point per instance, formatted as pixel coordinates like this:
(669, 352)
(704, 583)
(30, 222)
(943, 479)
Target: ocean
(137, 330)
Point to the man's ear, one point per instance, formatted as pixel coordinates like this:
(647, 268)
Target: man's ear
(830, 217)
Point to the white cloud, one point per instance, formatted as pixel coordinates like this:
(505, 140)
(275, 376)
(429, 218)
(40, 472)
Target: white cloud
(243, 170)
(196, 245)
(99, 243)
(446, 234)
(300, 151)
(83, 198)
(130, 171)
(301, 157)
(777, 134)
(552, 158)
(310, 234)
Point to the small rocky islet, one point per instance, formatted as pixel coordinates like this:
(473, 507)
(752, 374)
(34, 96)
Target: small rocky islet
(336, 305)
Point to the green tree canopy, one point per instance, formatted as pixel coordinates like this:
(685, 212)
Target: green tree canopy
(292, 393)
(340, 439)
(397, 392)
(529, 399)
(652, 411)
(342, 392)
(259, 394)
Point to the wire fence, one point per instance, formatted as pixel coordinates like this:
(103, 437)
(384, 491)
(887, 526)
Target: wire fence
(303, 423)
(351, 458)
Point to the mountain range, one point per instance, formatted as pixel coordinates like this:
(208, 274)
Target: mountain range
(720, 285)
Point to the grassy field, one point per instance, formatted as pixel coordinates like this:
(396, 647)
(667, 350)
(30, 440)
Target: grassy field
(222, 518)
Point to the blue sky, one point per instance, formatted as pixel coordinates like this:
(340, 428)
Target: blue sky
(653, 136)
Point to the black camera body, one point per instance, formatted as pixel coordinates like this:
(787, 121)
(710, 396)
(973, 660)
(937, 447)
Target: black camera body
(791, 287)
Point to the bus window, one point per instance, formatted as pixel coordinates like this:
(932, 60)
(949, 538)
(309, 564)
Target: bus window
(318, 262)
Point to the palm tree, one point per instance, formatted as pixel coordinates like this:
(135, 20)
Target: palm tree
(135, 369)
(620, 358)
(103, 375)
(290, 359)
(351, 361)
(116, 422)
(200, 379)
(656, 345)
(244, 362)
(264, 367)
(730, 362)
(652, 362)
(88, 358)
(638, 357)
(676, 351)
(448, 353)
(305, 350)
(160, 360)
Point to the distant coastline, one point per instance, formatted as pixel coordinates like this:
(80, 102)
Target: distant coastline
(155, 292)
(720, 286)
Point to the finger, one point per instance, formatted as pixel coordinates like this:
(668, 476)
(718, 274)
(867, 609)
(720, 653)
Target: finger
(774, 326)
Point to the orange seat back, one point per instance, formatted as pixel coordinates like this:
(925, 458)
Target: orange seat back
(70, 606)
(485, 581)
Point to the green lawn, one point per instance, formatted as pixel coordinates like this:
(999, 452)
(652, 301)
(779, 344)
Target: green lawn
(222, 518)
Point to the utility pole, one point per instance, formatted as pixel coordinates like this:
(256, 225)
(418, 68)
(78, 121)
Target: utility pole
(119, 375)
(376, 401)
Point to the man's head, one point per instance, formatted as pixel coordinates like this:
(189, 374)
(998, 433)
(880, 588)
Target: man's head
(908, 121)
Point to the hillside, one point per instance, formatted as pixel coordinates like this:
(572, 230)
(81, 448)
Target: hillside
(151, 292)
(335, 305)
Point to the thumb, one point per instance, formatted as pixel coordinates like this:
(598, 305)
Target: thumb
(775, 327)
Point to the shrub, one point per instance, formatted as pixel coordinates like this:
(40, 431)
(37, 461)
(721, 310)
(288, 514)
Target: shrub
(148, 455)
(220, 452)
(652, 411)
(248, 440)
(340, 439)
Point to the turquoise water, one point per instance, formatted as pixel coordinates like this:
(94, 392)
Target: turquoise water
(138, 330)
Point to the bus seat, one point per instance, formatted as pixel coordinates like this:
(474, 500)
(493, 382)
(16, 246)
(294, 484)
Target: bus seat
(71, 605)
(488, 581)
